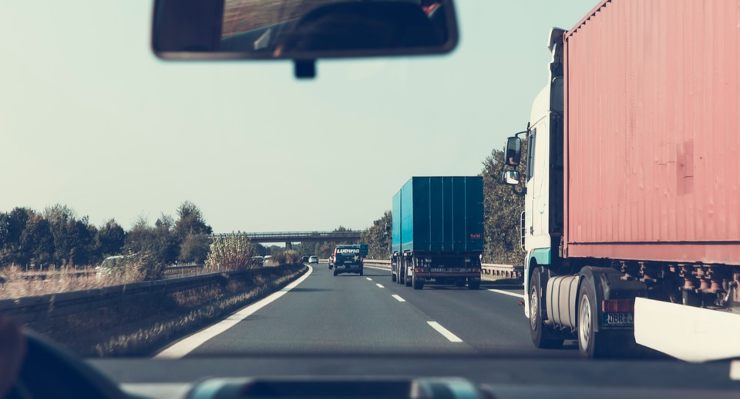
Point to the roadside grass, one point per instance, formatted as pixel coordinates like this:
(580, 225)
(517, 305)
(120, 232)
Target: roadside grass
(17, 283)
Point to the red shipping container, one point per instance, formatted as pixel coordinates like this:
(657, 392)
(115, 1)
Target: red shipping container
(652, 133)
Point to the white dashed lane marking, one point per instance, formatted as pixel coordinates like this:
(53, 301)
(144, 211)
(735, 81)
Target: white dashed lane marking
(445, 332)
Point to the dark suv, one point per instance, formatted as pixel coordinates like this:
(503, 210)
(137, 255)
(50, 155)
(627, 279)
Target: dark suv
(348, 259)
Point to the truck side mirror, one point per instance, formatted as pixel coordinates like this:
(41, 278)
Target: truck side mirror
(511, 177)
(513, 151)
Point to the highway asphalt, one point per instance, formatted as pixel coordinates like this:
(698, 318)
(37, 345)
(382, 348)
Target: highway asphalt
(371, 315)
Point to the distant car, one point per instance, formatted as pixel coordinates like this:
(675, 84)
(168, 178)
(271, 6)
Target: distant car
(313, 259)
(304, 259)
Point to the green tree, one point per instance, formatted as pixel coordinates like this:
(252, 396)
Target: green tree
(61, 219)
(378, 237)
(37, 242)
(159, 241)
(140, 237)
(503, 208)
(12, 225)
(190, 221)
(110, 239)
(166, 242)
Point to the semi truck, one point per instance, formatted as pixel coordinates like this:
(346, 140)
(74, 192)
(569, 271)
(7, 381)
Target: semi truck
(631, 222)
(437, 231)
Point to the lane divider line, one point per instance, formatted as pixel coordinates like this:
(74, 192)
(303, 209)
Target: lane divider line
(398, 298)
(445, 332)
(380, 285)
(369, 279)
(514, 294)
(190, 343)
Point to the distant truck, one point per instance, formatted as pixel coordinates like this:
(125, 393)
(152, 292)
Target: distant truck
(437, 232)
(349, 258)
(631, 214)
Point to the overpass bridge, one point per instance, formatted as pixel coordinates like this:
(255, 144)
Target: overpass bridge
(290, 237)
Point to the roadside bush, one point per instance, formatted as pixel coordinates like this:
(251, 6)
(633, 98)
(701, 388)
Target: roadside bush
(130, 268)
(286, 257)
(230, 252)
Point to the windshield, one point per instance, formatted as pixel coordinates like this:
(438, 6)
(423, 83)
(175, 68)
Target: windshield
(176, 195)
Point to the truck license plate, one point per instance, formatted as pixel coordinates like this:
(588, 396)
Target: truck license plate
(618, 319)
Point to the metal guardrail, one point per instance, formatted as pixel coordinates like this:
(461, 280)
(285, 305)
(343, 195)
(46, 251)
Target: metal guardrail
(503, 271)
(169, 271)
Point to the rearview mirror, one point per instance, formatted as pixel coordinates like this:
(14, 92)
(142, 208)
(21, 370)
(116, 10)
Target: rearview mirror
(513, 151)
(511, 177)
(301, 30)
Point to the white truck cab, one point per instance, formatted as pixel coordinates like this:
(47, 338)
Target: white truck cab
(540, 231)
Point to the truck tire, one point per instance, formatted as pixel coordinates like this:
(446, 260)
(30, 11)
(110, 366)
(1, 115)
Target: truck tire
(335, 273)
(591, 344)
(393, 277)
(474, 283)
(543, 335)
(418, 283)
(361, 271)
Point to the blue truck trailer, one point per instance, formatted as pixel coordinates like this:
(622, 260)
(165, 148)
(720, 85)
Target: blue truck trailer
(437, 231)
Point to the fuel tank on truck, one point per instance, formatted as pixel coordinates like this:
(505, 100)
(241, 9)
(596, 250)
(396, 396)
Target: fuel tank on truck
(439, 215)
(652, 138)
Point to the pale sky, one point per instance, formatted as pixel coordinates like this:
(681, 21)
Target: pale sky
(91, 119)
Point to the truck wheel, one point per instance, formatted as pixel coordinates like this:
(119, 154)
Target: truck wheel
(361, 271)
(474, 283)
(591, 344)
(418, 283)
(335, 273)
(393, 277)
(542, 335)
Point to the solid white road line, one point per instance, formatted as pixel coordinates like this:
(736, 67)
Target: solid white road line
(445, 332)
(380, 285)
(369, 279)
(398, 298)
(509, 293)
(188, 344)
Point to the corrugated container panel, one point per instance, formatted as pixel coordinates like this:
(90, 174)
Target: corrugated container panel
(407, 216)
(653, 132)
(396, 223)
(439, 214)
